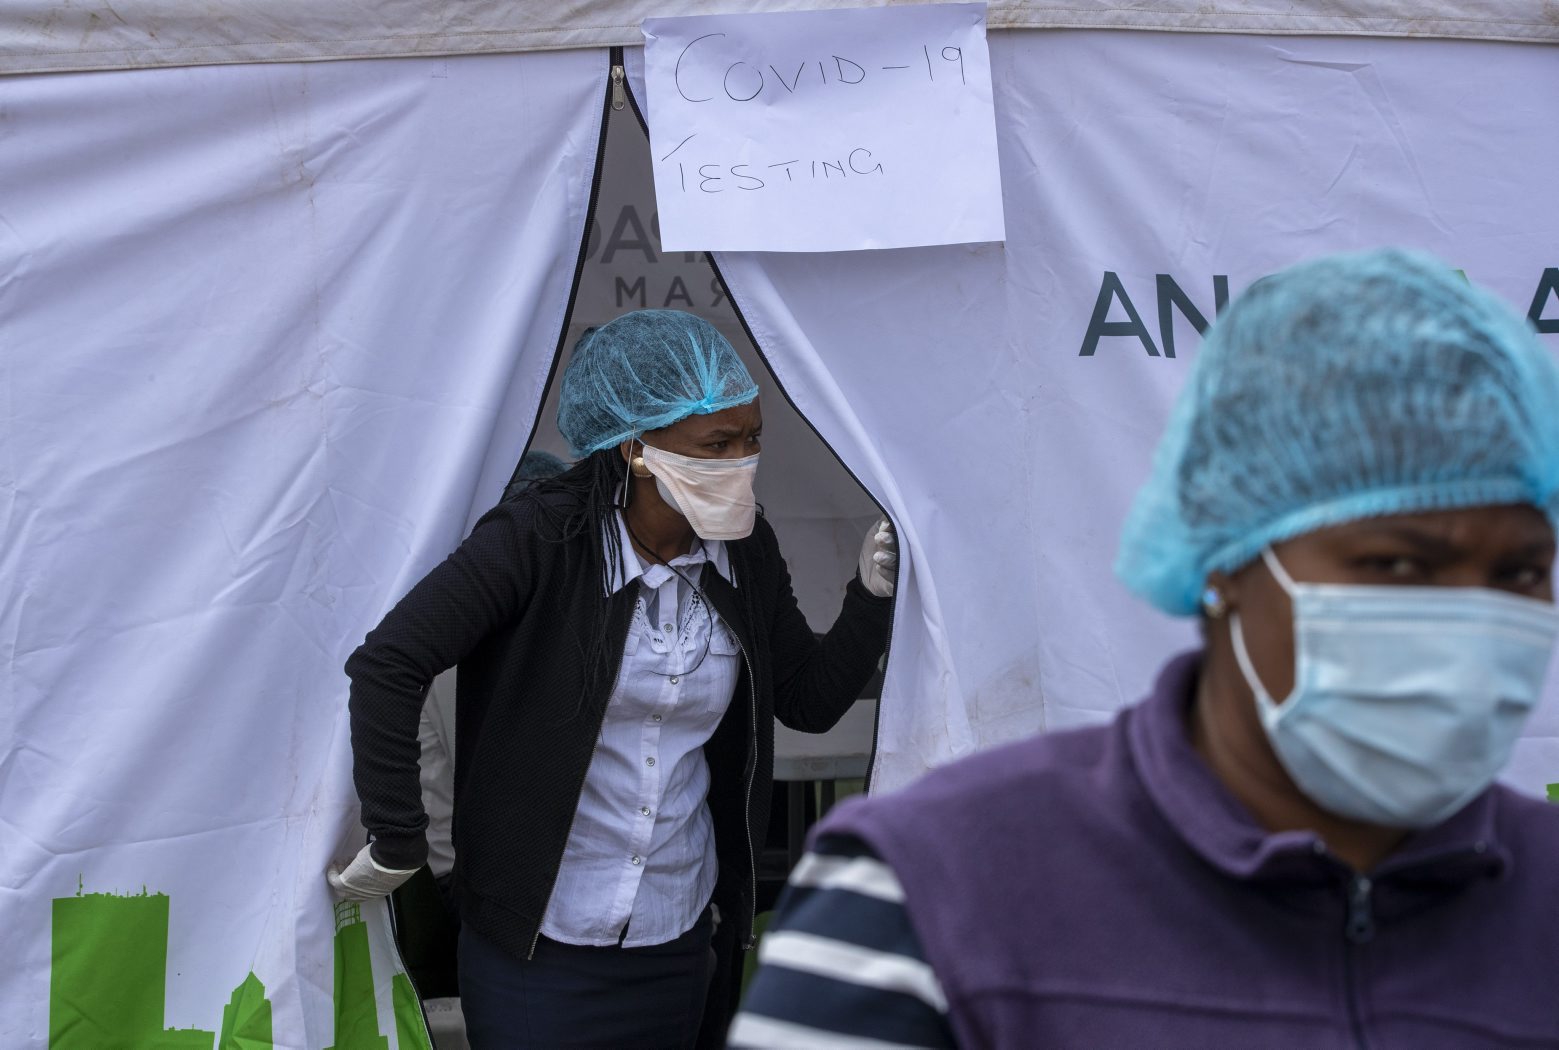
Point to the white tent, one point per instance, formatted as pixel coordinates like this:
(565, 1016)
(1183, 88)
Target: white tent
(39, 35)
(273, 331)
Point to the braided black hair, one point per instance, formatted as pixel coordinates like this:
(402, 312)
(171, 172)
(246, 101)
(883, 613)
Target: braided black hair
(590, 491)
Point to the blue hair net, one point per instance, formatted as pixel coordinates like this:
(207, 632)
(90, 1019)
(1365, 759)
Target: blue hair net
(534, 466)
(646, 370)
(1348, 387)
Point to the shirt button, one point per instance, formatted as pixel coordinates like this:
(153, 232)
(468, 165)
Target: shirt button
(649, 761)
(644, 810)
(675, 679)
(637, 860)
(666, 627)
(655, 718)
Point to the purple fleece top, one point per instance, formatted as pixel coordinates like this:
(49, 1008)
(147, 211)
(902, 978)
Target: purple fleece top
(1102, 889)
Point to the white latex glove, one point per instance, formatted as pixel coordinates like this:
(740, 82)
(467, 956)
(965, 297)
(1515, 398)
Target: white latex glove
(880, 558)
(364, 879)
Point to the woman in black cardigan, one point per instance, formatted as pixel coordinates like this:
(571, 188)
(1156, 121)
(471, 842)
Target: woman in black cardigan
(626, 635)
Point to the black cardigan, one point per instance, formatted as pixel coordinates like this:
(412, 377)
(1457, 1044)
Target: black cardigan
(516, 612)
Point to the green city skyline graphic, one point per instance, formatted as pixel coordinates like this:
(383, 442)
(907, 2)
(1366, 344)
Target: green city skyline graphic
(357, 1015)
(109, 972)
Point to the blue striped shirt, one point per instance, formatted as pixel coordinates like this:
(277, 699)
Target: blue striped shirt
(840, 966)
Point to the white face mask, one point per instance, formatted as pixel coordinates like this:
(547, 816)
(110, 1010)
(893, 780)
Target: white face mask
(714, 495)
(1407, 701)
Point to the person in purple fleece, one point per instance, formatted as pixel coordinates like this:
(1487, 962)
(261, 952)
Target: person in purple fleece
(1296, 840)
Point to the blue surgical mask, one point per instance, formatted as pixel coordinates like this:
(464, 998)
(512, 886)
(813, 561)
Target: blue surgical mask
(1407, 701)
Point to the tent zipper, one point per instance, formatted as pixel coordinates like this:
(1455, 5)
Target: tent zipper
(871, 763)
(400, 960)
(613, 90)
(610, 101)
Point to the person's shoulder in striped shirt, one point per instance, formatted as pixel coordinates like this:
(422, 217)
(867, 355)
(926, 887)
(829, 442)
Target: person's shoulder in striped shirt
(840, 966)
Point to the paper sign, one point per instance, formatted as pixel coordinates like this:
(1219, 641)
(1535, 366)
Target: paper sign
(821, 131)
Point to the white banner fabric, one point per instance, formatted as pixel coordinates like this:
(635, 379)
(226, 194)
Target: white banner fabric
(1003, 402)
(272, 337)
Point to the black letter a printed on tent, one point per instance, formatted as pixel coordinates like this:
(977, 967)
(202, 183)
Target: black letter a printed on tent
(1547, 288)
(1109, 290)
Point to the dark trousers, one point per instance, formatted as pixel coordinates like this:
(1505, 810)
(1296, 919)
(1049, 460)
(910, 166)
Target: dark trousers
(725, 986)
(570, 995)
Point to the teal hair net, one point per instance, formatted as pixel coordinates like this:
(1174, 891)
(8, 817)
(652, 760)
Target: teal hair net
(646, 370)
(1348, 387)
(534, 466)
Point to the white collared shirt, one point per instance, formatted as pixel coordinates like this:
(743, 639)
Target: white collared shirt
(641, 851)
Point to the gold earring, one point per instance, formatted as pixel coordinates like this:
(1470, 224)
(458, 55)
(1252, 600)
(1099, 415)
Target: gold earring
(636, 464)
(1214, 604)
